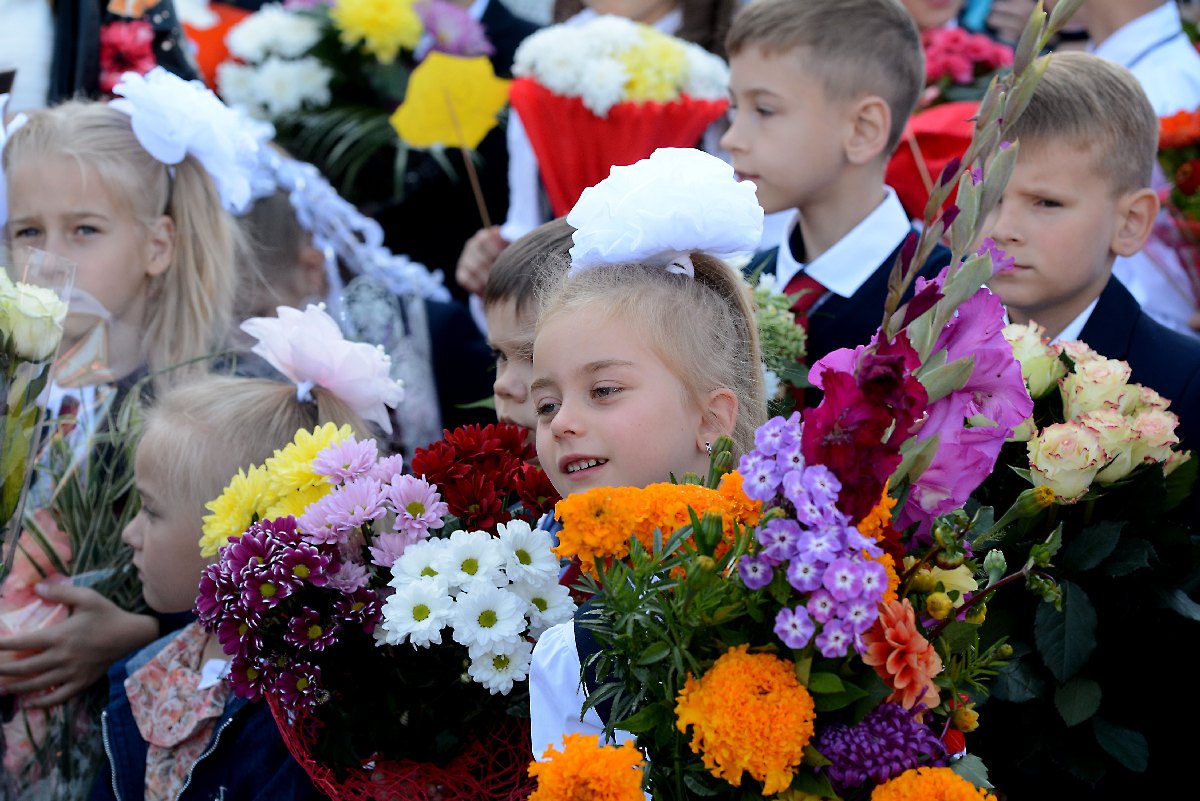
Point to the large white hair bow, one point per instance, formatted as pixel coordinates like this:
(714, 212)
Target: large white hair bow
(662, 208)
(172, 117)
(308, 347)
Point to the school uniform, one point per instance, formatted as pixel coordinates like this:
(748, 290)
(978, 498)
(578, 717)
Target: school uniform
(854, 274)
(1164, 360)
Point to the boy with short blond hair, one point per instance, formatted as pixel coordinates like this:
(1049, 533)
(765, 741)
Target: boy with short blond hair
(1078, 198)
(821, 92)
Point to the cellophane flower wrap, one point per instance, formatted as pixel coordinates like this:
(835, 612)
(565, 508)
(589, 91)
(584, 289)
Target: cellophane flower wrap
(824, 638)
(390, 636)
(1179, 157)
(623, 89)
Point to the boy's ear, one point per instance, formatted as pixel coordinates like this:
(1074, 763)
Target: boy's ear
(870, 121)
(160, 245)
(1136, 211)
(719, 415)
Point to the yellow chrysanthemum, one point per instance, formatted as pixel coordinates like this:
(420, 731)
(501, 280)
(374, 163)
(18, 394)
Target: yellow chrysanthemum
(929, 784)
(749, 714)
(291, 470)
(586, 770)
(597, 524)
(294, 503)
(383, 27)
(244, 500)
(656, 68)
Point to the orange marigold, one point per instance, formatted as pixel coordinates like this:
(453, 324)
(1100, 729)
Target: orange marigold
(598, 523)
(878, 525)
(903, 658)
(1179, 130)
(586, 771)
(929, 784)
(749, 714)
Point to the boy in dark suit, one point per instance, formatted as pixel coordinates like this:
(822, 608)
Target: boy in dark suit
(1078, 198)
(821, 91)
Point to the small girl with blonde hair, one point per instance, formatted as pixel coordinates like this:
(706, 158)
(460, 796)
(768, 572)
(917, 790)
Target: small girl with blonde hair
(646, 352)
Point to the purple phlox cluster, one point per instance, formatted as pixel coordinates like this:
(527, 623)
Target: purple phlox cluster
(1001, 261)
(273, 597)
(972, 422)
(887, 742)
(346, 460)
(824, 558)
(453, 29)
(417, 504)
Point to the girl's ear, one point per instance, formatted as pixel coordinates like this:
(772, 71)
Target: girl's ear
(719, 416)
(870, 126)
(160, 246)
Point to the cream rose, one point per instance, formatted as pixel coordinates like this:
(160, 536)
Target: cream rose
(1149, 399)
(1040, 365)
(32, 318)
(1155, 434)
(1117, 438)
(1174, 460)
(1065, 458)
(1098, 384)
(1078, 352)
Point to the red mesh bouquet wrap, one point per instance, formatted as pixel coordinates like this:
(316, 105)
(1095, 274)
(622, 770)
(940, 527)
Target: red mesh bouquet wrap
(493, 766)
(576, 149)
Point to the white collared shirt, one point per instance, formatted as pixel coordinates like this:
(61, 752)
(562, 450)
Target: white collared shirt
(856, 256)
(1075, 327)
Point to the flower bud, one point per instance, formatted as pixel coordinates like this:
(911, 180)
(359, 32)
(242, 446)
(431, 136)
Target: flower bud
(950, 558)
(977, 614)
(938, 605)
(965, 718)
(996, 565)
(1004, 651)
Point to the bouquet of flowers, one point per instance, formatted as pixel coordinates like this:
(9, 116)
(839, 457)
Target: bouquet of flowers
(329, 74)
(623, 89)
(960, 64)
(340, 576)
(1099, 464)
(1179, 157)
(783, 344)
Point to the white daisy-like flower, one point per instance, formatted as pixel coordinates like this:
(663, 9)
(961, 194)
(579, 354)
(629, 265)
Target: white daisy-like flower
(485, 616)
(498, 669)
(546, 604)
(417, 612)
(473, 557)
(526, 552)
(420, 560)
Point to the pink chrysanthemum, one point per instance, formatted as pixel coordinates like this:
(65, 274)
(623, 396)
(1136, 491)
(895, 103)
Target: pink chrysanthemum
(346, 460)
(387, 548)
(418, 505)
(349, 578)
(387, 468)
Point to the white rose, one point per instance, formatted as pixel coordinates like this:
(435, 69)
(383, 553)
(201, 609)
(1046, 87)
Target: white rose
(32, 319)
(1040, 365)
(1077, 351)
(1098, 384)
(1154, 432)
(1065, 458)
(1149, 399)
(1117, 438)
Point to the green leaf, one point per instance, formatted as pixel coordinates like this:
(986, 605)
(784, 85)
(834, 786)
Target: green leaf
(655, 653)
(1130, 555)
(1176, 599)
(941, 381)
(825, 683)
(813, 784)
(698, 787)
(1066, 639)
(1180, 483)
(960, 636)
(971, 768)
(1092, 545)
(832, 701)
(1077, 700)
(1018, 682)
(1124, 745)
(644, 720)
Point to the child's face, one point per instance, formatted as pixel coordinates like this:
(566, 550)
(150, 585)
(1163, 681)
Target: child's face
(610, 412)
(510, 335)
(933, 13)
(1058, 218)
(165, 538)
(784, 135)
(57, 206)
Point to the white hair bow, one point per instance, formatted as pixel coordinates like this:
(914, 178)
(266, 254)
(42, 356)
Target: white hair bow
(660, 209)
(308, 347)
(172, 117)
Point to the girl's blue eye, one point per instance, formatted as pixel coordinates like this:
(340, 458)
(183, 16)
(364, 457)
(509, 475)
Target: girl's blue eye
(605, 392)
(547, 409)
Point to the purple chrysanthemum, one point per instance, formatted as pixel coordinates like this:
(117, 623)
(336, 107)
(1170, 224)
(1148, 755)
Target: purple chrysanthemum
(362, 608)
(887, 742)
(248, 678)
(357, 503)
(309, 630)
(299, 686)
(418, 505)
(302, 562)
(346, 460)
(349, 577)
(240, 634)
(216, 592)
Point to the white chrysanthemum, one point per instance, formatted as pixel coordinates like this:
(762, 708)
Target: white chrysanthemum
(285, 86)
(273, 31)
(707, 75)
(546, 604)
(238, 87)
(498, 669)
(603, 85)
(526, 552)
(473, 557)
(420, 560)
(417, 612)
(609, 34)
(484, 617)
